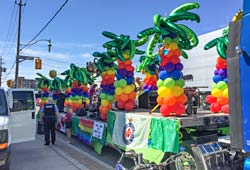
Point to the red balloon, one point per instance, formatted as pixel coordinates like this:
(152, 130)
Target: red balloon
(120, 104)
(180, 109)
(215, 107)
(225, 108)
(165, 110)
(211, 99)
(129, 105)
(103, 116)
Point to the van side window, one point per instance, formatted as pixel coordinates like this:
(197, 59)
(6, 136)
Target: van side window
(3, 104)
(22, 100)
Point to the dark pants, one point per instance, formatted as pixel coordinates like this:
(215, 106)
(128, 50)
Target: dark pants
(49, 128)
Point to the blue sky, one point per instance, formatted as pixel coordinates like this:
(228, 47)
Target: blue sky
(76, 31)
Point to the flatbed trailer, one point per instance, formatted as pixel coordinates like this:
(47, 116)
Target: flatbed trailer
(202, 118)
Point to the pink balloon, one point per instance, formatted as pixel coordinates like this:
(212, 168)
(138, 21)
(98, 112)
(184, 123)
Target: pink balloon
(225, 108)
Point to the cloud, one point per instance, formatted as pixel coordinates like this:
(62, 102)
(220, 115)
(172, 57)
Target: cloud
(86, 55)
(45, 54)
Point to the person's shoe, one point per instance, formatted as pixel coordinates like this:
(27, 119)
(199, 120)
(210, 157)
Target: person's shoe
(53, 143)
(47, 144)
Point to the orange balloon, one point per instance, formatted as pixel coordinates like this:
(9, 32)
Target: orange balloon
(109, 106)
(177, 52)
(132, 95)
(222, 100)
(160, 100)
(181, 99)
(104, 110)
(169, 100)
(124, 97)
(117, 97)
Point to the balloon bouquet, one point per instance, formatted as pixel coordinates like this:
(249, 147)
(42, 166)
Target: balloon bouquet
(125, 50)
(175, 38)
(105, 64)
(151, 70)
(218, 99)
(43, 84)
(78, 78)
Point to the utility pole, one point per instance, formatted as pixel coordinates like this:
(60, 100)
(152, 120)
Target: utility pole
(1, 69)
(18, 41)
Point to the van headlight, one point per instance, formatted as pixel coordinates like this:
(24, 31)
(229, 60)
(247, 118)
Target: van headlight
(3, 139)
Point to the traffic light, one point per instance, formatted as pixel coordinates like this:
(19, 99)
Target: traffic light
(10, 83)
(38, 63)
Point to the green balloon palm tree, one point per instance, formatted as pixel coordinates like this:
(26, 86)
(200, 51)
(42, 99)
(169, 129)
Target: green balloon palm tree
(175, 38)
(106, 65)
(78, 78)
(218, 100)
(43, 83)
(125, 50)
(57, 85)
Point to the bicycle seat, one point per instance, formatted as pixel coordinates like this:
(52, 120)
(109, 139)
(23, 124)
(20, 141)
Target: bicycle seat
(130, 154)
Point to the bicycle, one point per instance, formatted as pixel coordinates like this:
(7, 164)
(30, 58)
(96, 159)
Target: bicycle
(181, 161)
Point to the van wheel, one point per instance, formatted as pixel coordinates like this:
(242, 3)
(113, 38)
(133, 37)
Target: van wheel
(7, 166)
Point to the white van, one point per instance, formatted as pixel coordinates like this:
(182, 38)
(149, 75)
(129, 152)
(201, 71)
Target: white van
(17, 120)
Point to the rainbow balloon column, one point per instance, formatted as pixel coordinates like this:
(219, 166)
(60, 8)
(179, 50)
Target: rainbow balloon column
(105, 64)
(175, 38)
(79, 78)
(170, 84)
(43, 84)
(218, 99)
(67, 97)
(125, 89)
(125, 50)
(76, 97)
(151, 70)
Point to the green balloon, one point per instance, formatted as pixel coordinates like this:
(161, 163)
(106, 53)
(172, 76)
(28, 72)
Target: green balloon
(221, 85)
(110, 98)
(122, 83)
(214, 85)
(169, 82)
(116, 83)
(159, 83)
(103, 96)
(180, 82)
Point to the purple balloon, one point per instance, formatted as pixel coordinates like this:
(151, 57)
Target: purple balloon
(123, 72)
(179, 66)
(223, 72)
(130, 74)
(216, 72)
(161, 68)
(169, 67)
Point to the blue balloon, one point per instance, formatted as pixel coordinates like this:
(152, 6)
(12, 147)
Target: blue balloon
(176, 75)
(163, 75)
(111, 92)
(226, 80)
(130, 80)
(217, 78)
(118, 77)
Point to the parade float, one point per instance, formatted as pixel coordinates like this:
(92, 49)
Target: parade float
(152, 133)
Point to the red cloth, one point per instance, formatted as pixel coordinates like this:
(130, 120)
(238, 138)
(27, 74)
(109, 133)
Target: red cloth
(91, 91)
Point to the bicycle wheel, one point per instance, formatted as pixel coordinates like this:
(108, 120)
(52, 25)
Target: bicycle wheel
(185, 162)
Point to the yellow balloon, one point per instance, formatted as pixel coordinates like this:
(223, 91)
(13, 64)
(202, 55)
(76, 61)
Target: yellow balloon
(225, 92)
(118, 91)
(127, 89)
(104, 103)
(216, 92)
(177, 91)
(132, 87)
(110, 72)
(173, 46)
(164, 91)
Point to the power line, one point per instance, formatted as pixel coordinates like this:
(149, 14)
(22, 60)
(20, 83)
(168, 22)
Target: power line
(29, 43)
(10, 30)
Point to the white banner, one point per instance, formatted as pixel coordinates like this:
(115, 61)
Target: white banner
(98, 130)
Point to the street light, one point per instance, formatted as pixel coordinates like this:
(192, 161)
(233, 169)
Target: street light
(20, 58)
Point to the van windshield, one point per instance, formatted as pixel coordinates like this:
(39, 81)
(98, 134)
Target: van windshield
(3, 104)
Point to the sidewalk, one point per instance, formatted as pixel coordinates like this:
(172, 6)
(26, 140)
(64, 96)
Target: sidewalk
(35, 156)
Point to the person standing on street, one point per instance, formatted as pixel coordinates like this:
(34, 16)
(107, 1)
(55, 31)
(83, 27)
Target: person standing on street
(68, 122)
(48, 114)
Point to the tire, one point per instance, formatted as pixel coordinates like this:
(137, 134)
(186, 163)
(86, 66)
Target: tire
(185, 159)
(7, 166)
